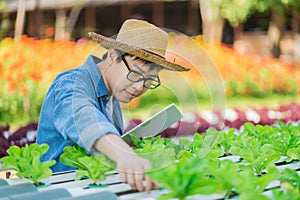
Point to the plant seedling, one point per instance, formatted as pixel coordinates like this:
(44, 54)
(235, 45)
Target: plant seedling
(26, 162)
(92, 167)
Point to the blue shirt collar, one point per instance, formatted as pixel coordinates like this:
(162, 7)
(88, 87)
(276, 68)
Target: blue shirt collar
(97, 78)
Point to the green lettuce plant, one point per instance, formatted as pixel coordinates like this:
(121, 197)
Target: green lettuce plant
(92, 167)
(293, 154)
(226, 139)
(160, 152)
(206, 145)
(197, 169)
(26, 162)
(259, 157)
(289, 186)
(185, 178)
(226, 173)
(283, 137)
(282, 194)
(290, 179)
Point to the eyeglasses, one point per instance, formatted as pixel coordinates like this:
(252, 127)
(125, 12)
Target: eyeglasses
(135, 77)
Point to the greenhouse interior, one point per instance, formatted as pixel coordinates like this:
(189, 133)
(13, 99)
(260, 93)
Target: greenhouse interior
(150, 99)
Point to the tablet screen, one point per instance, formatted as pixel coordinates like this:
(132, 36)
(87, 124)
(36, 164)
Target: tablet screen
(156, 123)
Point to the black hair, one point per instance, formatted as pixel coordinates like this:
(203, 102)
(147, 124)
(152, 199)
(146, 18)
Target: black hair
(119, 59)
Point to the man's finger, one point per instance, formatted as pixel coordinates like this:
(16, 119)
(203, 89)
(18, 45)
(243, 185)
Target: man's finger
(148, 184)
(122, 175)
(139, 177)
(131, 180)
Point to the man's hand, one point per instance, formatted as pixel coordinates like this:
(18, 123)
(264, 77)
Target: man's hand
(131, 170)
(130, 166)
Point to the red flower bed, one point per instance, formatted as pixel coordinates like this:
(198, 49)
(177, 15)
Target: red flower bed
(21, 137)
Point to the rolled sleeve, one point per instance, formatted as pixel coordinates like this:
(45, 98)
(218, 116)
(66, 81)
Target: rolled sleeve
(88, 137)
(78, 114)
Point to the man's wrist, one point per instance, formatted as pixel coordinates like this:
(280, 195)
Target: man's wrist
(114, 147)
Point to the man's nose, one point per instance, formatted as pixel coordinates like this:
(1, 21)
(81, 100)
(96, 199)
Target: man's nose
(138, 85)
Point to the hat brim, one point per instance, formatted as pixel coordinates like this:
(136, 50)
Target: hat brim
(138, 52)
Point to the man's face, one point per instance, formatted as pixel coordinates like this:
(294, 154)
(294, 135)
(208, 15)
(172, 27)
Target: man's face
(133, 78)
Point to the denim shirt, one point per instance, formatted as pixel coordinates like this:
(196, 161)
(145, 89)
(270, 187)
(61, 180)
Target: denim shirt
(74, 111)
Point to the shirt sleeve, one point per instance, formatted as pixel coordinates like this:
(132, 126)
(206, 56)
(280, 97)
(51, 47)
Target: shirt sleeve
(78, 115)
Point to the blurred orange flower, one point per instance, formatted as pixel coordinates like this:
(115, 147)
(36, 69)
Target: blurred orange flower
(50, 32)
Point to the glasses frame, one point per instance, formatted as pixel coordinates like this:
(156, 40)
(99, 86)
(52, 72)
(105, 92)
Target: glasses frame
(142, 76)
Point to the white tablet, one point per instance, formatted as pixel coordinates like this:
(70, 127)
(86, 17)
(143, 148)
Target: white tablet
(156, 123)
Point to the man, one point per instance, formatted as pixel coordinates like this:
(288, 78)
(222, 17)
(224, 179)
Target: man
(82, 104)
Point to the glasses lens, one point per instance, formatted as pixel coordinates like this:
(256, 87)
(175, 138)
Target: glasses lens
(151, 83)
(134, 76)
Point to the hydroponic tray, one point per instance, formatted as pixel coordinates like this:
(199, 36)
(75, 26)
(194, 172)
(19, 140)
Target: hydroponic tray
(64, 186)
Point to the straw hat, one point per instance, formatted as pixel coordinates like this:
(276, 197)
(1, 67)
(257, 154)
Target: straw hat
(141, 39)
